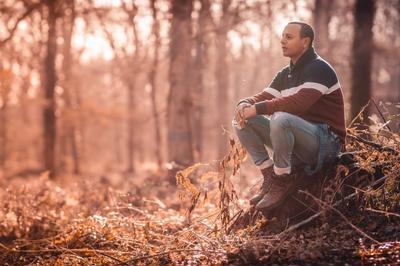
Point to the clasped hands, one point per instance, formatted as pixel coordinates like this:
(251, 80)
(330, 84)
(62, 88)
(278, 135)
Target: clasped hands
(243, 112)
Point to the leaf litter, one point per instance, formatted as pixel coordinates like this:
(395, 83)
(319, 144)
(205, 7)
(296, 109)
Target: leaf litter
(90, 223)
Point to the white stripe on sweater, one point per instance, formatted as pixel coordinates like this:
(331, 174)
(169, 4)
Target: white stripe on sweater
(306, 85)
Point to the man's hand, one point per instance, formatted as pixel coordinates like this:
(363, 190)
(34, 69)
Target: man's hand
(249, 111)
(239, 115)
(243, 112)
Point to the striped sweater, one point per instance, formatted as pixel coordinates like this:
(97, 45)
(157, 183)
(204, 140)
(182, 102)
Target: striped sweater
(309, 89)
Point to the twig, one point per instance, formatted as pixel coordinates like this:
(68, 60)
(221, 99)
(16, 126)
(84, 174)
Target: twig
(78, 250)
(167, 252)
(341, 183)
(353, 152)
(380, 113)
(65, 249)
(277, 247)
(361, 232)
(4, 247)
(105, 253)
(130, 208)
(383, 212)
(362, 111)
(373, 144)
(204, 238)
(313, 217)
(109, 256)
(235, 218)
(199, 219)
(308, 207)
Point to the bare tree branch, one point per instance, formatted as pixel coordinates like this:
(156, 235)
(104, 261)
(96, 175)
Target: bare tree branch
(30, 9)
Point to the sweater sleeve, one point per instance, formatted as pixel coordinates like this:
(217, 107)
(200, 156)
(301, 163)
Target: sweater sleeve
(318, 78)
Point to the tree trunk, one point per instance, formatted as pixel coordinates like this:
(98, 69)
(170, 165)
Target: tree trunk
(199, 68)
(131, 84)
(3, 135)
(179, 98)
(131, 129)
(49, 118)
(364, 13)
(69, 138)
(321, 19)
(222, 77)
(5, 86)
(152, 79)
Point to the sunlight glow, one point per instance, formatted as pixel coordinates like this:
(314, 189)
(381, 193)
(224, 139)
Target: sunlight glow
(94, 45)
(302, 13)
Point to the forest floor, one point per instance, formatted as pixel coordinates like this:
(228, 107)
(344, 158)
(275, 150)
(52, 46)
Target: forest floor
(204, 217)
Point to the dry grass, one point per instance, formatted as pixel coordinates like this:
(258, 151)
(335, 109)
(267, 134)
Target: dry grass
(90, 223)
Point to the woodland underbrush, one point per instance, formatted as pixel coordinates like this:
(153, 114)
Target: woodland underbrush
(352, 217)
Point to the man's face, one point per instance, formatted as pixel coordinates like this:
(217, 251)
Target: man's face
(292, 44)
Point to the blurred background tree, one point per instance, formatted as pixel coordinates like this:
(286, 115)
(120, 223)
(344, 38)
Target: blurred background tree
(94, 86)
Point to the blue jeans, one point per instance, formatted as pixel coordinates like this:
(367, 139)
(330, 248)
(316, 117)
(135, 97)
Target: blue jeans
(285, 141)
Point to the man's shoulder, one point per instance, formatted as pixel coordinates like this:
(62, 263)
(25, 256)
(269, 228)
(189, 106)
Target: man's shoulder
(320, 71)
(284, 71)
(319, 65)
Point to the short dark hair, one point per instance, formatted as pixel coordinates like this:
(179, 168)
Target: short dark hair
(305, 31)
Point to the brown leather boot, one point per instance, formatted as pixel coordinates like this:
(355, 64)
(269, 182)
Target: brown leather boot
(282, 186)
(267, 181)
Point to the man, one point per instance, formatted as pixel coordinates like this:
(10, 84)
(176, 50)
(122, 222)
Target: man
(296, 123)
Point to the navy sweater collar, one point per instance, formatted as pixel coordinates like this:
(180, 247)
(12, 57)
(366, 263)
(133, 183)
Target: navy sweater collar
(307, 57)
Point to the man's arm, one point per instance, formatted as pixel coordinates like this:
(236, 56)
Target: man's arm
(319, 79)
(246, 107)
(297, 104)
(267, 94)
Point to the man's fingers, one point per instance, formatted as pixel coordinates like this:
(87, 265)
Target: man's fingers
(239, 114)
(241, 118)
(241, 106)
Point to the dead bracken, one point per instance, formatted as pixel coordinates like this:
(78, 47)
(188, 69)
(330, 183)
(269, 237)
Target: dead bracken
(355, 219)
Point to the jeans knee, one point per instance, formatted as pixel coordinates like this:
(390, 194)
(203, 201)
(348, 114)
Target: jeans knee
(248, 129)
(280, 120)
(255, 120)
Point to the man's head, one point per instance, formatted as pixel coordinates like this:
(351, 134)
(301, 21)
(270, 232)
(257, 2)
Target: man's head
(297, 37)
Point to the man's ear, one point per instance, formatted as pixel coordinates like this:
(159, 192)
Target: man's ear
(306, 42)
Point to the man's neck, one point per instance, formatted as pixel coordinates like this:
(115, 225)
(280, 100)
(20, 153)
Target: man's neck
(296, 58)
